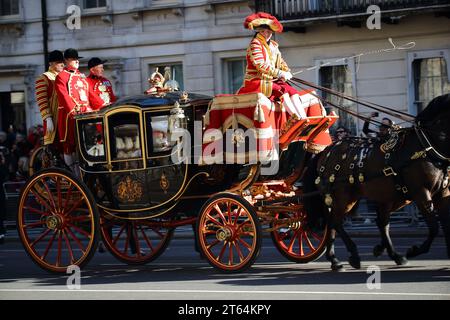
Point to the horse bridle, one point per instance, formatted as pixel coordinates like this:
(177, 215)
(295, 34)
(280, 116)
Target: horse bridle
(426, 144)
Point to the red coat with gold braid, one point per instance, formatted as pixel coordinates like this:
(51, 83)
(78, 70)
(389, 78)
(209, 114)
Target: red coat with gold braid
(72, 89)
(47, 101)
(100, 92)
(264, 63)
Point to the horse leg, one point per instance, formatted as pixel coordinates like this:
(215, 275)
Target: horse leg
(429, 214)
(443, 208)
(383, 216)
(354, 260)
(336, 265)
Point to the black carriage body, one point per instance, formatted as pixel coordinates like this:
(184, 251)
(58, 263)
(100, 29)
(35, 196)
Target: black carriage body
(126, 154)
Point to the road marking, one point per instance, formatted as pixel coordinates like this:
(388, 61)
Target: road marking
(414, 294)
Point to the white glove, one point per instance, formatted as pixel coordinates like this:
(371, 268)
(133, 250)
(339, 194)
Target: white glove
(286, 75)
(49, 124)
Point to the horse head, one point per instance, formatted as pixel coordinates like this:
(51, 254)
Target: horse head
(434, 121)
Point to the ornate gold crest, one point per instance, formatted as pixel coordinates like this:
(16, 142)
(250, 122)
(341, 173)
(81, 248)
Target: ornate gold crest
(129, 190)
(164, 183)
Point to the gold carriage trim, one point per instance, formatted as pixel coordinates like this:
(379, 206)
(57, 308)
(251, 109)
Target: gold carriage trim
(129, 190)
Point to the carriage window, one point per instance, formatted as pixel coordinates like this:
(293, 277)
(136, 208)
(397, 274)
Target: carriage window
(339, 78)
(92, 139)
(127, 141)
(125, 136)
(161, 139)
(430, 80)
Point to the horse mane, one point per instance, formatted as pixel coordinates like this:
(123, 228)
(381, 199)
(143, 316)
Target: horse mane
(435, 108)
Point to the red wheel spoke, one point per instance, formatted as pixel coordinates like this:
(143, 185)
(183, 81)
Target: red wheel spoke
(246, 233)
(42, 213)
(79, 219)
(69, 247)
(213, 220)
(242, 224)
(220, 213)
(136, 239)
(77, 241)
(69, 193)
(207, 232)
(212, 244)
(48, 246)
(300, 243)
(58, 257)
(230, 257)
(50, 194)
(77, 205)
(161, 235)
(146, 239)
(230, 219)
(316, 236)
(118, 234)
(308, 242)
(58, 190)
(41, 200)
(219, 258)
(46, 232)
(33, 225)
(79, 230)
(239, 210)
(249, 247)
(239, 251)
(291, 244)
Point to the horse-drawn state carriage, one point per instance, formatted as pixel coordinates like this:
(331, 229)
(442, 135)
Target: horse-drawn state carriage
(132, 192)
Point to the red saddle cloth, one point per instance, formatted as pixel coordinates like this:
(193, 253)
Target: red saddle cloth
(248, 128)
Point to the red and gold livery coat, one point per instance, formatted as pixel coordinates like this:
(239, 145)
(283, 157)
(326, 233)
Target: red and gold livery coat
(73, 90)
(100, 92)
(264, 63)
(47, 101)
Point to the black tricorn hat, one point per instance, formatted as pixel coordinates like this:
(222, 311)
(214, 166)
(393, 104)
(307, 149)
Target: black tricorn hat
(55, 56)
(93, 62)
(71, 54)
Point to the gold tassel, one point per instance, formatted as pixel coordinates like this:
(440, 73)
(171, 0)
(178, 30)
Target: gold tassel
(258, 115)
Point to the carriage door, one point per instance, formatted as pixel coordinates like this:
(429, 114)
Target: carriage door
(126, 158)
(165, 178)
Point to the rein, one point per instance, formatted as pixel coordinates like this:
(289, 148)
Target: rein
(392, 112)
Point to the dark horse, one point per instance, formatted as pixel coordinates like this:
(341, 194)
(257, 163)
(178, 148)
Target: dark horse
(411, 165)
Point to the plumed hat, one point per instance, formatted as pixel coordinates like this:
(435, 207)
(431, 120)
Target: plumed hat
(259, 19)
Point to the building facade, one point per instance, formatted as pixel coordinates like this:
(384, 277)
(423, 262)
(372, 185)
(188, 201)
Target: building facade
(204, 44)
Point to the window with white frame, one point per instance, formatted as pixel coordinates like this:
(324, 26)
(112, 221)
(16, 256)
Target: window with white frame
(430, 80)
(339, 78)
(92, 4)
(235, 72)
(9, 7)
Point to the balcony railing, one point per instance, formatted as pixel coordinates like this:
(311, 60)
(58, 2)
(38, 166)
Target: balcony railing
(303, 9)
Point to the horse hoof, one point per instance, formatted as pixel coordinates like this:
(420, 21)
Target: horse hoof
(355, 262)
(412, 252)
(401, 260)
(378, 250)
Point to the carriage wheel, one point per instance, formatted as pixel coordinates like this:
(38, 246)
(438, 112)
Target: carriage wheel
(229, 232)
(134, 241)
(57, 221)
(40, 159)
(299, 243)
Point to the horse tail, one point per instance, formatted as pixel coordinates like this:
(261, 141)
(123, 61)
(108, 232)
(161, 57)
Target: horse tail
(313, 205)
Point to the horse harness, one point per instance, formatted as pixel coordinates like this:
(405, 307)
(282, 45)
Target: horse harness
(394, 162)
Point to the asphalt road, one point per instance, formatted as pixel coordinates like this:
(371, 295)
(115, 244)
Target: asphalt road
(180, 274)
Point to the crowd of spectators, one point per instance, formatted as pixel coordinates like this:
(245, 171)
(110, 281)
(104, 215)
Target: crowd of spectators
(16, 147)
